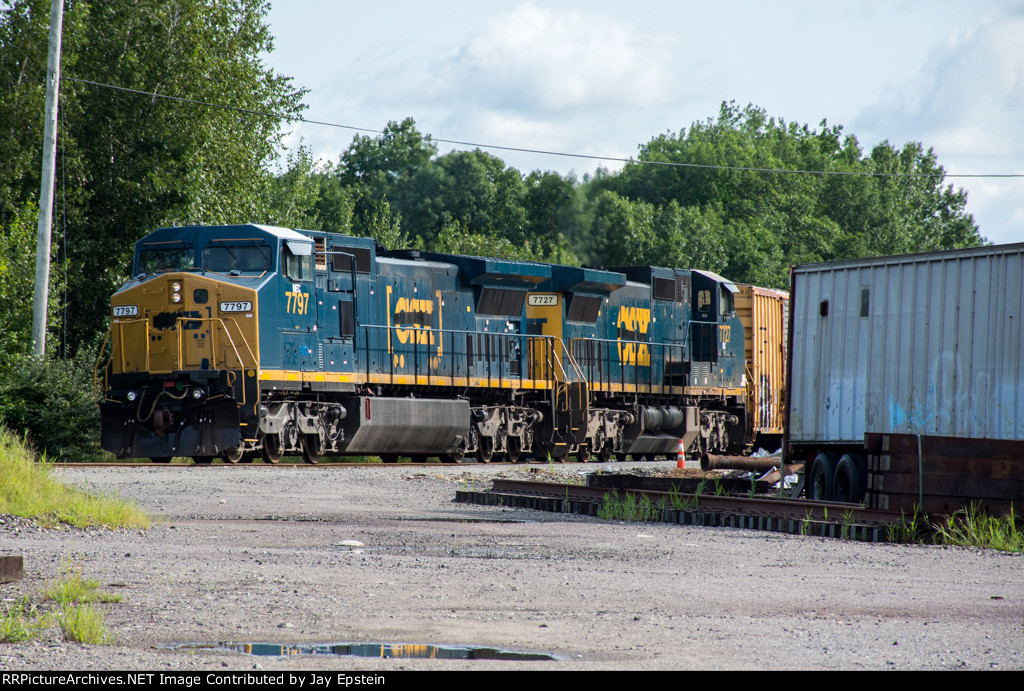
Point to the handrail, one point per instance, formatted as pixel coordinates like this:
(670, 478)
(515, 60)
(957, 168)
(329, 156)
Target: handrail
(553, 364)
(604, 351)
(96, 390)
(213, 345)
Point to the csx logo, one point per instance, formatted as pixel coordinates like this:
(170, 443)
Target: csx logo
(632, 325)
(417, 316)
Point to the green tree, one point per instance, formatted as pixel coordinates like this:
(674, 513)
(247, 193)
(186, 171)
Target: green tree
(375, 168)
(294, 195)
(472, 187)
(136, 162)
(453, 239)
(765, 220)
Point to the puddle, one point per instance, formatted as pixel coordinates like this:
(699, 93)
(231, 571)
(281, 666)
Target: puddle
(461, 520)
(381, 650)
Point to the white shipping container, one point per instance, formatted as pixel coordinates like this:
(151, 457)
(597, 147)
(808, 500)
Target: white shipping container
(925, 344)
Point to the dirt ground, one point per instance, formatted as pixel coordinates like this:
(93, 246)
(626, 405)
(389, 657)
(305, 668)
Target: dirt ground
(296, 555)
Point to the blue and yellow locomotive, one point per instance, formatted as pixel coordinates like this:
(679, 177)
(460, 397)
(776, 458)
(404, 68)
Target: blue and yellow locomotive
(234, 341)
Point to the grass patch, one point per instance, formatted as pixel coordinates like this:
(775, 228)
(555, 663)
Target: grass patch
(27, 489)
(968, 527)
(629, 508)
(83, 623)
(71, 588)
(73, 596)
(22, 620)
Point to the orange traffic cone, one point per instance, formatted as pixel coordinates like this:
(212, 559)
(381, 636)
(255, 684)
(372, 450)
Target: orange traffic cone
(681, 456)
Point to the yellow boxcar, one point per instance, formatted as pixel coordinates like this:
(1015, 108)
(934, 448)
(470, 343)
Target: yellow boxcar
(764, 313)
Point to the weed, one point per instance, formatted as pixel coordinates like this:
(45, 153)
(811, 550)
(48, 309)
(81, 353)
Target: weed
(82, 623)
(907, 529)
(971, 527)
(805, 524)
(680, 502)
(22, 621)
(71, 588)
(720, 490)
(76, 616)
(753, 485)
(700, 487)
(629, 508)
(846, 524)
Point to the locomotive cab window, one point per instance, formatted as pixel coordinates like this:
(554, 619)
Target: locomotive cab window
(727, 305)
(227, 257)
(153, 259)
(297, 260)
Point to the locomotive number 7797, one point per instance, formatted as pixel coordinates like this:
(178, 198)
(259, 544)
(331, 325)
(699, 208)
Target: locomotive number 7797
(298, 303)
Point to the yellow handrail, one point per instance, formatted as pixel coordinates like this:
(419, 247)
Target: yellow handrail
(213, 345)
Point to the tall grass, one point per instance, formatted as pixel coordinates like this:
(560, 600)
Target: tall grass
(968, 527)
(629, 508)
(971, 527)
(21, 620)
(28, 489)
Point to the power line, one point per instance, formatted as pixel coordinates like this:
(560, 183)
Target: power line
(592, 157)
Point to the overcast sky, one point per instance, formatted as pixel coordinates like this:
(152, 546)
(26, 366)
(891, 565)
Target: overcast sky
(602, 77)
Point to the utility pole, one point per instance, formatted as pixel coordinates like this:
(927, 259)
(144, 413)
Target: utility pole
(40, 299)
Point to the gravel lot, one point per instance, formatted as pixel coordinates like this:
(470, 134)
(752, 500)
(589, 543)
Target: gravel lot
(265, 554)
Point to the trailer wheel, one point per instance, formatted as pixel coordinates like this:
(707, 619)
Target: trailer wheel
(850, 479)
(823, 474)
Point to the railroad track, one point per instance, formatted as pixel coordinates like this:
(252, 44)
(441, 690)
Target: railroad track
(828, 519)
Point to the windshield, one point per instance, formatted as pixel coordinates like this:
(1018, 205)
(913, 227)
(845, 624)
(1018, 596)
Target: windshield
(228, 258)
(154, 259)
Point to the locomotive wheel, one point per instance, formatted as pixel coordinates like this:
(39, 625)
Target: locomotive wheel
(455, 457)
(822, 480)
(583, 454)
(605, 454)
(271, 448)
(514, 450)
(233, 455)
(202, 460)
(485, 451)
(312, 448)
(558, 452)
(161, 459)
(389, 457)
(621, 457)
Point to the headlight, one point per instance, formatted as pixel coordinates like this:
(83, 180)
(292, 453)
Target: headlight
(197, 393)
(131, 396)
(176, 297)
(176, 286)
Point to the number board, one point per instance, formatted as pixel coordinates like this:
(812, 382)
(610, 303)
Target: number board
(542, 299)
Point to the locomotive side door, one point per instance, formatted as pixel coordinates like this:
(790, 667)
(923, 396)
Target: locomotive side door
(298, 305)
(544, 318)
(337, 314)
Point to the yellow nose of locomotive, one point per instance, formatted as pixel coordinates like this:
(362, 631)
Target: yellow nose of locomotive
(182, 322)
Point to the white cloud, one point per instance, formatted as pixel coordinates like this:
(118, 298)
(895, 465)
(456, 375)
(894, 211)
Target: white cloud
(534, 58)
(966, 103)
